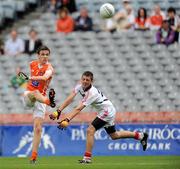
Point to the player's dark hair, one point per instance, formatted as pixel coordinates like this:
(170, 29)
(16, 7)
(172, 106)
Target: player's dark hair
(89, 74)
(42, 48)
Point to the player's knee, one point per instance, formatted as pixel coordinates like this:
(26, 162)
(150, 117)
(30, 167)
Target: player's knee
(90, 131)
(35, 93)
(113, 136)
(37, 128)
(32, 96)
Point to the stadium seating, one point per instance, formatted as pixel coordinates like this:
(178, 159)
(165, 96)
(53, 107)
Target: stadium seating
(10, 8)
(131, 69)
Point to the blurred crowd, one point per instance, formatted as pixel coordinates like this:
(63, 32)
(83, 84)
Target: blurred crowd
(15, 46)
(166, 24)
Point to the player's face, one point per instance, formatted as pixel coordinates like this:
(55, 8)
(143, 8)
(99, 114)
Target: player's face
(86, 81)
(43, 56)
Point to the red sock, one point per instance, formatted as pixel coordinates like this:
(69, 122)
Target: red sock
(138, 136)
(34, 155)
(87, 155)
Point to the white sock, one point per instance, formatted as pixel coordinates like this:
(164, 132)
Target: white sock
(141, 135)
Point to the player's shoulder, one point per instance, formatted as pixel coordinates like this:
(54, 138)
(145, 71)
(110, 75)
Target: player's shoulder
(49, 66)
(34, 62)
(93, 90)
(78, 86)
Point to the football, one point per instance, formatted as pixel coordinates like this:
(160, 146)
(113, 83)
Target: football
(107, 11)
(64, 124)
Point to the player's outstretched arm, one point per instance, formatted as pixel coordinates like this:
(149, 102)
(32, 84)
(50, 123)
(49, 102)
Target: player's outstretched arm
(75, 111)
(57, 113)
(65, 122)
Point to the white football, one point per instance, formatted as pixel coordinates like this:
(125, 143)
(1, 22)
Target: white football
(107, 10)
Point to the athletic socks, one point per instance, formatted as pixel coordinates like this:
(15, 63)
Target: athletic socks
(87, 156)
(139, 136)
(34, 155)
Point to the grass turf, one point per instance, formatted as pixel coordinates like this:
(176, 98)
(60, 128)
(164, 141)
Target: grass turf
(100, 162)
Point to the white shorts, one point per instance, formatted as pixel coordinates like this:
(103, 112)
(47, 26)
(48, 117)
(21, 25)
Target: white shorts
(108, 115)
(39, 109)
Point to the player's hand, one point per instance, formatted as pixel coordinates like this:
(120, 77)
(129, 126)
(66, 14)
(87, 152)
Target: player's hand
(55, 115)
(63, 124)
(23, 76)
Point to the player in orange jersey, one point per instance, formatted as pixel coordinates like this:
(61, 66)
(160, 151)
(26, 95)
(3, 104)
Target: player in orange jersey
(41, 72)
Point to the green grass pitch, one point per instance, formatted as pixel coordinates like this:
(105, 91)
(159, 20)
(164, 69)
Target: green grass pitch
(99, 162)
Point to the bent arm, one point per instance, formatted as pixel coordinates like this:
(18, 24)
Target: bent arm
(75, 111)
(68, 101)
(45, 77)
(170, 39)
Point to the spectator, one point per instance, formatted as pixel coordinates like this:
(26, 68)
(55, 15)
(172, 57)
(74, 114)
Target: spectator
(53, 6)
(125, 20)
(178, 34)
(119, 19)
(14, 46)
(69, 4)
(165, 35)
(33, 43)
(156, 18)
(65, 23)
(18, 82)
(142, 21)
(83, 22)
(1, 47)
(174, 21)
(110, 25)
(125, 3)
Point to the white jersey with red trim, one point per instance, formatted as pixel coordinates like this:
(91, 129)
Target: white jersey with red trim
(96, 99)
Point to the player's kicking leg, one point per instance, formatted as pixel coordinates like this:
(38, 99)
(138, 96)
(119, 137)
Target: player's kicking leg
(37, 96)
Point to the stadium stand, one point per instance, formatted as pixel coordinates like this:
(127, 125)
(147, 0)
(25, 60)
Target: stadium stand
(12, 10)
(132, 70)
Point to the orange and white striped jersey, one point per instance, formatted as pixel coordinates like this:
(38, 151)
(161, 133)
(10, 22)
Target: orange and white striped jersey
(39, 70)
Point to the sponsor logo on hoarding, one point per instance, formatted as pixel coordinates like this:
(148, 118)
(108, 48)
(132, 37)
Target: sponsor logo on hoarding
(154, 133)
(163, 140)
(137, 146)
(27, 140)
(160, 138)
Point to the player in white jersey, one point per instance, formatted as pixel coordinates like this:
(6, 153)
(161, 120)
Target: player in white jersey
(105, 117)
